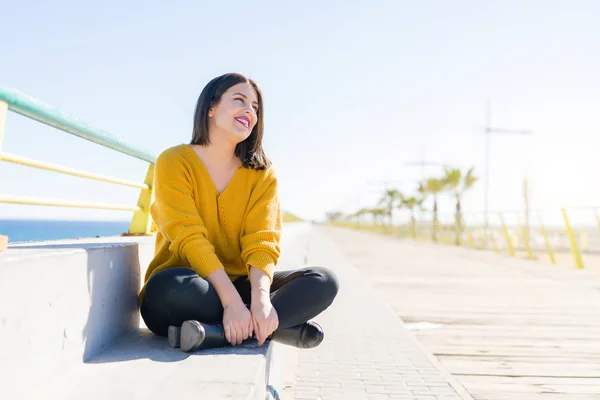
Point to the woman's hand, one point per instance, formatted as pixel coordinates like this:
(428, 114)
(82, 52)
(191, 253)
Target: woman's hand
(237, 322)
(264, 316)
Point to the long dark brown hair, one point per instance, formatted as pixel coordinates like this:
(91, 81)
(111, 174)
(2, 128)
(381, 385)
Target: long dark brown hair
(250, 151)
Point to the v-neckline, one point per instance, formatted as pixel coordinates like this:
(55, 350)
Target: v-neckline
(205, 169)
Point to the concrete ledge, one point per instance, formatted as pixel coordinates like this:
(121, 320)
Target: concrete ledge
(70, 329)
(62, 302)
(142, 366)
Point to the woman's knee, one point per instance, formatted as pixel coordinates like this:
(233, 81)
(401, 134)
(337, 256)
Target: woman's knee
(328, 284)
(177, 294)
(163, 280)
(156, 303)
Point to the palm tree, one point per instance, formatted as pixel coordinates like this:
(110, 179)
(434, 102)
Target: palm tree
(389, 200)
(434, 186)
(411, 203)
(458, 185)
(359, 215)
(377, 213)
(334, 216)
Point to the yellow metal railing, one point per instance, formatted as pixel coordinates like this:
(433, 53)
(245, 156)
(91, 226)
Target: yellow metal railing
(11, 100)
(508, 233)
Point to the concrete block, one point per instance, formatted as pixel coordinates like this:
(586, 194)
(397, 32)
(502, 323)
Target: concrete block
(63, 302)
(70, 329)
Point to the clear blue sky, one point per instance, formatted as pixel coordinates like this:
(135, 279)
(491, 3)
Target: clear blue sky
(353, 91)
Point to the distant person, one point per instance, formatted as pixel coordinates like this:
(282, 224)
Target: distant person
(213, 280)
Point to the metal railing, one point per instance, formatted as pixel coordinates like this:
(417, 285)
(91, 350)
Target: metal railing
(548, 235)
(23, 104)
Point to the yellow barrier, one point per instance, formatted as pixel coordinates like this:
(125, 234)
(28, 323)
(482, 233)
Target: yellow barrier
(511, 249)
(494, 242)
(69, 171)
(462, 234)
(525, 234)
(141, 223)
(572, 241)
(61, 203)
(547, 240)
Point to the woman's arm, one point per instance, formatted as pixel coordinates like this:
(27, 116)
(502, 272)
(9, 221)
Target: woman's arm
(237, 319)
(260, 252)
(264, 316)
(262, 228)
(227, 293)
(260, 282)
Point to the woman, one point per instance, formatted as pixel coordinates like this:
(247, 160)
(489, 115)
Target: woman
(212, 281)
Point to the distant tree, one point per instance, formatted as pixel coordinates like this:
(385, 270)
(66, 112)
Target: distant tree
(412, 203)
(434, 187)
(389, 201)
(458, 183)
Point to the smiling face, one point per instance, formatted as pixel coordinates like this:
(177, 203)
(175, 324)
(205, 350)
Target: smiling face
(236, 114)
(230, 110)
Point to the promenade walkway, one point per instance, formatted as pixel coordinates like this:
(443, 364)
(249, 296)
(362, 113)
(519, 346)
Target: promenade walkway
(367, 352)
(504, 328)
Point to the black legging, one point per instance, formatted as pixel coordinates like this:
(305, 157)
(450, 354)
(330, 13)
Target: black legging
(175, 295)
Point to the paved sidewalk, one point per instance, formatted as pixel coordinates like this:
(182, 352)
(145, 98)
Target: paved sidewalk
(367, 353)
(507, 329)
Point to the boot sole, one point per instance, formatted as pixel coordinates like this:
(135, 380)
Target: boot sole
(174, 336)
(191, 337)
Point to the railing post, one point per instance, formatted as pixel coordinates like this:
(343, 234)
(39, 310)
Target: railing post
(547, 240)
(525, 233)
(141, 223)
(511, 249)
(573, 241)
(3, 112)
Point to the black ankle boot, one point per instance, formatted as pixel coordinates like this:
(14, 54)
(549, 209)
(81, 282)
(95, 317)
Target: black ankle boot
(304, 336)
(194, 335)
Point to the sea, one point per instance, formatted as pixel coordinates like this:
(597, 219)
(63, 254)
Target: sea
(28, 230)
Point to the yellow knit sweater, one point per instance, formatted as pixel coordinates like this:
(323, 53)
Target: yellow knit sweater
(203, 230)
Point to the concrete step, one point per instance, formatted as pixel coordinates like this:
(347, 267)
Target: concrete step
(63, 302)
(70, 327)
(142, 366)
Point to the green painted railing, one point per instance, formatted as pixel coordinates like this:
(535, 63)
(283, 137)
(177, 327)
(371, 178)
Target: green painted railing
(23, 104)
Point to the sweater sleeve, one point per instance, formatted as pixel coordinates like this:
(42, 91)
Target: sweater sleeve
(262, 227)
(176, 217)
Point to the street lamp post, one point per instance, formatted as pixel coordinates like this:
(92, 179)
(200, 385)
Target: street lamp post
(489, 130)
